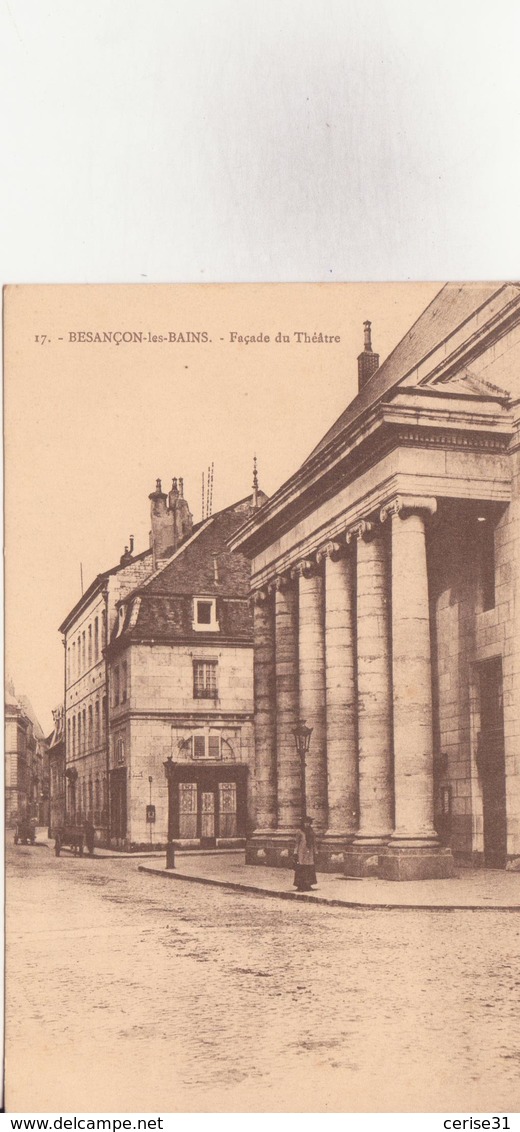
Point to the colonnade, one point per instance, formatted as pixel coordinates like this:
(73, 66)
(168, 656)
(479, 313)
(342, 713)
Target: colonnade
(342, 640)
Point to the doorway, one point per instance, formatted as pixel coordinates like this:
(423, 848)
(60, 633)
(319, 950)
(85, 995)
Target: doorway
(209, 806)
(118, 803)
(491, 763)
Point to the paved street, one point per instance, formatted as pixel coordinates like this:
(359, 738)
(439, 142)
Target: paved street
(129, 993)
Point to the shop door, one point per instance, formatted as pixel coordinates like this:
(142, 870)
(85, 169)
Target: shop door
(491, 764)
(206, 811)
(208, 818)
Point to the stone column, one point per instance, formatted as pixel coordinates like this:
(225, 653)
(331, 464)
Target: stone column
(414, 851)
(374, 702)
(311, 663)
(265, 724)
(286, 652)
(341, 703)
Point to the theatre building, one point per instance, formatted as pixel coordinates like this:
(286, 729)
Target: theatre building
(386, 587)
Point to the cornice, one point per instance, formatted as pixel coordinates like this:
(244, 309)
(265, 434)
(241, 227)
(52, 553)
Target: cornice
(386, 430)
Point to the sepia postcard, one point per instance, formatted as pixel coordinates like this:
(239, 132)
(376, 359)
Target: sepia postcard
(262, 697)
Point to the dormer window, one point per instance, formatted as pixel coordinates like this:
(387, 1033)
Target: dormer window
(205, 615)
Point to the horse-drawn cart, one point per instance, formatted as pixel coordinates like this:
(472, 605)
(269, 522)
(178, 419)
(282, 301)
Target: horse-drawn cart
(25, 831)
(73, 836)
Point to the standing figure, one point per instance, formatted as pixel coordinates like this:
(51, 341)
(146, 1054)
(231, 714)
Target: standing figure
(305, 870)
(90, 834)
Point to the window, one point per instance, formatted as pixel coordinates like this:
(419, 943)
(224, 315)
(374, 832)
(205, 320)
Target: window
(205, 615)
(204, 746)
(204, 679)
(204, 612)
(228, 808)
(90, 727)
(116, 686)
(74, 736)
(120, 750)
(199, 746)
(90, 646)
(96, 639)
(123, 681)
(96, 724)
(214, 746)
(187, 809)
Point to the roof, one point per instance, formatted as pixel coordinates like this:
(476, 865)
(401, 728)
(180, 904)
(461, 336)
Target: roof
(96, 584)
(160, 607)
(454, 304)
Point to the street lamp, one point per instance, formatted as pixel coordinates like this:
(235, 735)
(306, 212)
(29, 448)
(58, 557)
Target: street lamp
(72, 775)
(302, 738)
(170, 848)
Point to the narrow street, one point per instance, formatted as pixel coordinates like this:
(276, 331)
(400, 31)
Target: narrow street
(129, 993)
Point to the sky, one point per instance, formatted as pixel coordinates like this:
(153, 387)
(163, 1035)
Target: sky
(90, 425)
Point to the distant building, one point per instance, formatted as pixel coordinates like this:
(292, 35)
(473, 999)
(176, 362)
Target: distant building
(26, 761)
(159, 664)
(386, 579)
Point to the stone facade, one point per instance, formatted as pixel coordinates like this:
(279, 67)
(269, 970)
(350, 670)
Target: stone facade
(180, 675)
(85, 631)
(158, 665)
(387, 583)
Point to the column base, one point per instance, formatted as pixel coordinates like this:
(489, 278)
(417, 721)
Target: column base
(331, 850)
(429, 863)
(272, 847)
(363, 860)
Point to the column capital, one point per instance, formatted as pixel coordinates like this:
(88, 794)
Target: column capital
(363, 529)
(306, 568)
(332, 550)
(259, 597)
(279, 584)
(404, 505)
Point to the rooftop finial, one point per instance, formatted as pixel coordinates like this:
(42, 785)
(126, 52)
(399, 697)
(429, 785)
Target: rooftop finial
(255, 482)
(368, 334)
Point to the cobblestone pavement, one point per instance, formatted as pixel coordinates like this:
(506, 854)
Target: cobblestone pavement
(126, 993)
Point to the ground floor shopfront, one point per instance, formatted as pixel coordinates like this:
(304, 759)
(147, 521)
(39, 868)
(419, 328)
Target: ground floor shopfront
(207, 805)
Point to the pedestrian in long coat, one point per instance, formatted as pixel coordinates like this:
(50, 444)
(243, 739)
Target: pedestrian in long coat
(305, 854)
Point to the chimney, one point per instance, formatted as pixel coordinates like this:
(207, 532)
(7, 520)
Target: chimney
(162, 533)
(182, 519)
(126, 558)
(368, 361)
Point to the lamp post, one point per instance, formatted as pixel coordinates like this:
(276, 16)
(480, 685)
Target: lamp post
(302, 738)
(170, 848)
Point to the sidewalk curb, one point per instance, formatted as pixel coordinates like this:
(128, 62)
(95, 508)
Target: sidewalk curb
(331, 902)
